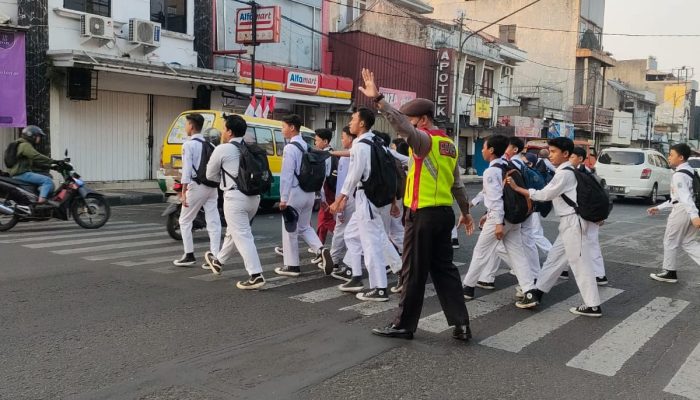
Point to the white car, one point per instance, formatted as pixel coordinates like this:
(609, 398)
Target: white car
(635, 173)
(695, 163)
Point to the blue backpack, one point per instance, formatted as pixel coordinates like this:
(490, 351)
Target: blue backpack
(535, 180)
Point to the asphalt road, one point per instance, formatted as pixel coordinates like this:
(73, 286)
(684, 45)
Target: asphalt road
(103, 315)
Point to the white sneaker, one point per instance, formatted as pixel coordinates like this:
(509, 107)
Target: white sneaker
(279, 251)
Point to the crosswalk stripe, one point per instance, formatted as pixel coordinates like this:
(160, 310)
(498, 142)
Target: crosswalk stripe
(71, 225)
(131, 229)
(65, 232)
(539, 325)
(237, 270)
(607, 354)
(90, 241)
(320, 295)
(113, 246)
(686, 381)
(368, 308)
(142, 252)
(280, 281)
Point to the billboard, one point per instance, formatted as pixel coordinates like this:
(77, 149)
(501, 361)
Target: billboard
(526, 127)
(13, 103)
(397, 98)
(560, 129)
(483, 107)
(268, 24)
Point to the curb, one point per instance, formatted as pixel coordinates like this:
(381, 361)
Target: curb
(133, 198)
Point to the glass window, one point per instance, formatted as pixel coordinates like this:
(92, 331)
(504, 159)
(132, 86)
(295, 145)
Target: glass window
(487, 83)
(621, 158)
(661, 160)
(694, 162)
(97, 7)
(469, 76)
(279, 142)
(249, 136)
(264, 139)
(177, 133)
(172, 14)
(309, 139)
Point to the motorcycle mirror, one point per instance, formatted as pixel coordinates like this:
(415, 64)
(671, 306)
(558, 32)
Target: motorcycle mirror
(66, 153)
(67, 159)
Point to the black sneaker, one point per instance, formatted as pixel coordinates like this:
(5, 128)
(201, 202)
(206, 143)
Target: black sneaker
(468, 292)
(602, 280)
(587, 311)
(288, 271)
(252, 283)
(344, 273)
(326, 261)
(354, 285)
(376, 294)
(665, 276)
(531, 299)
(187, 260)
(455, 243)
(486, 285)
(214, 265)
(564, 275)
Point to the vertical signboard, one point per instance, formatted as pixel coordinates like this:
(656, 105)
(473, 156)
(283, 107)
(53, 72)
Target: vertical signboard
(443, 99)
(13, 101)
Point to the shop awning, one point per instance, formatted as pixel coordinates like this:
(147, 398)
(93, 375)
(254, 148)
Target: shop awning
(245, 90)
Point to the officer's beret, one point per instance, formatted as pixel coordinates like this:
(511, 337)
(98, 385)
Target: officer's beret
(418, 108)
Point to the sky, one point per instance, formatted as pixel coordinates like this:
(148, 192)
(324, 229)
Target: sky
(654, 17)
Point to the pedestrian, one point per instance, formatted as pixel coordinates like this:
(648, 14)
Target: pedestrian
(30, 166)
(338, 246)
(239, 208)
(365, 233)
(432, 182)
(569, 244)
(197, 191)
(537, 230)
(291, 195)
(392, 213)
(496, 229)
(326, 220)
(683, 223)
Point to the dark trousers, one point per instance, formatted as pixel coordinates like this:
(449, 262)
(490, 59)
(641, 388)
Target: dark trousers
(427, 249)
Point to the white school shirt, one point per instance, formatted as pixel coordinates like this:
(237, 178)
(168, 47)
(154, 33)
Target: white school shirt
(343, 167)
(191, 157)
(563, 182)
(360, 164)
(493, 190)
(291, 163)
(682, 192)
(225, 157)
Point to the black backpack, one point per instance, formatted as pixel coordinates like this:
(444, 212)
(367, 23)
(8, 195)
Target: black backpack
(254, 175)
(201, 170)
(10, 156)
(544, 171)
(312, 172)
(332, 179)
(381, 185)
(593, 201)
(400, 179)
(696, 185)
(517, 207)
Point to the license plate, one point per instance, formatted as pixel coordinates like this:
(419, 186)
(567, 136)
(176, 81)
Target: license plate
(617, 189)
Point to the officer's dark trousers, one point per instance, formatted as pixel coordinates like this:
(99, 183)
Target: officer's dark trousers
(428, 249)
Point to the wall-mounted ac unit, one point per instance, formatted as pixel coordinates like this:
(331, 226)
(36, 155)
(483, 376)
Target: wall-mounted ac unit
(96, 26)
(142, 32)
(507, 71)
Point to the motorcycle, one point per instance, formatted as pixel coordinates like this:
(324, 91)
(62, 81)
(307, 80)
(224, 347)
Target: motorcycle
(172, 212)
(72, 198)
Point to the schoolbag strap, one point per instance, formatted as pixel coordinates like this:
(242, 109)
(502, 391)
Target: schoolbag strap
(685, 171)
(298, 146)
(570, 202)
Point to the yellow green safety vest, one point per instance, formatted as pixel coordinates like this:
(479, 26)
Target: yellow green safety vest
(430, 179)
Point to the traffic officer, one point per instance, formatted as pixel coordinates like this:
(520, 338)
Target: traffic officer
(432, 182)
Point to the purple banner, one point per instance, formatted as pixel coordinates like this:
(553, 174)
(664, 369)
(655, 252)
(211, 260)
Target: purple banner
(13, 101)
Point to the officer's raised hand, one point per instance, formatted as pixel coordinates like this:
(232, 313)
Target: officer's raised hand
(370, 90)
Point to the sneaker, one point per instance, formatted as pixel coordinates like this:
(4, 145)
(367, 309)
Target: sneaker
(317, 260)
(212, 263)
(354, 285)
(187, 260)
(519, 292)
(531, 299)
(564, 275)
(468, 292)
(398, 288)
(587, 311)
(665, 276)
(376, 294)
(601, 281)
(326, 260)
(279, 251)
(252, 283)
(486, 285)
(344, 273)
(312, 251)
(455, 243)
(288, 271)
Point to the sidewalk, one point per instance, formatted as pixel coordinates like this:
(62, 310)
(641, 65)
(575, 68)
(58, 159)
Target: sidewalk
(471, 179)
(124, 197)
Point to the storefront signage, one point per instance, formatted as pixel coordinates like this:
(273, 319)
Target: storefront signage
(13, 103)
(397, 98)
(269, 20)
(523, 126)
(302, 82)
(443, 100)
(483, 107)
(560, 129)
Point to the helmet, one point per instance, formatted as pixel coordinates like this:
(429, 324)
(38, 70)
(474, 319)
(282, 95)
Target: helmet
(212, 135)
(31, 132)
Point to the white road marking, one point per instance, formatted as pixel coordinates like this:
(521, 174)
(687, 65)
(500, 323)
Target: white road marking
(132, 229)
(686, 382)
(368, 308)
(142, 252)
(113, 246)
(44, 227)
(96, 240)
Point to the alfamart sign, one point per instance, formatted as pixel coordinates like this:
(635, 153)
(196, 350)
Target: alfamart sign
(302, 82)
(443, 99)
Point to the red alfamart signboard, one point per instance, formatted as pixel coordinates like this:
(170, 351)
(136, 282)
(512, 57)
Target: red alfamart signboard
(269, 22)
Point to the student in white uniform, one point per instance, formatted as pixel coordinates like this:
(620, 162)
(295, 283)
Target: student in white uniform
(196, 194)
(338, 247)
(365, 234)
(496, 229)
(292, 195)
(684, 222)
(569, 243)
(239, 209)
(538, 232)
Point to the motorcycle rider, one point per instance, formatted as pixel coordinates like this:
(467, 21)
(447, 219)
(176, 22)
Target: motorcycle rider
(32, 167)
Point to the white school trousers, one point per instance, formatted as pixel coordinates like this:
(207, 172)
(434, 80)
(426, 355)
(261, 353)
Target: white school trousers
(680, 234)
(303, 202)
(338, 247)
(538, 233)
(485, 252)
(391, 247)
(239, 210)
(199, 196)
(569, 249)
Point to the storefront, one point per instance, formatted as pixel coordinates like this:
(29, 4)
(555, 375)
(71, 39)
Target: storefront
(13, 105)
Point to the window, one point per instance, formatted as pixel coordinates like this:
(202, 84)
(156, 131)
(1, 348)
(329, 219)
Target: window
(279, 142)
(172, 14)
(661, 161)
(177, 133)
(469, 78)
(507, 33)
(264, 138)
(694, 163)
(97, 7)
(487, 83)
(621, 158)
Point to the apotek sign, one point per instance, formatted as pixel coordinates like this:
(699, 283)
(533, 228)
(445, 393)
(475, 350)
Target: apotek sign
(443, 100)
(302, 82)
(268, 25)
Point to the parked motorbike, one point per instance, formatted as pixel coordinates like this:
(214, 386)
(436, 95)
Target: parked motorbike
(172, 212)
(18, 199)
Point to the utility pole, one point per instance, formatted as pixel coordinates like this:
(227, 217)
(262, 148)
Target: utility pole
(455, 101)
(595, 111)
(254, 11)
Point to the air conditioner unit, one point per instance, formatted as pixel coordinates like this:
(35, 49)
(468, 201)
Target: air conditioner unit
(507, 71)
(96, 26)
(142, 32)
(628, 105)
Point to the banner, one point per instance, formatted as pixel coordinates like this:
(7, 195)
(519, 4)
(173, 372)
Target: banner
(483, 107)
(523, 126)
(560, 129)
(397, 98)
(13, 101)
